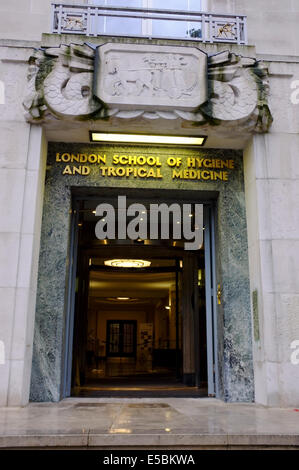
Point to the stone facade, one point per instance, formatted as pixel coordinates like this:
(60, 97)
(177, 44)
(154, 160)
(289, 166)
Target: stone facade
(271, 188)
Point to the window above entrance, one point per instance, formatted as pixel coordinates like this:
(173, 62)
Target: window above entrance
(179, 19)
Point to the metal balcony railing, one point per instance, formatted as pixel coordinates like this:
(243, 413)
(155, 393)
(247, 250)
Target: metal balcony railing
(99, 20)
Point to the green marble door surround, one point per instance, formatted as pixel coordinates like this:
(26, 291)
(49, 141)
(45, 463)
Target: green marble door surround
(234, 317)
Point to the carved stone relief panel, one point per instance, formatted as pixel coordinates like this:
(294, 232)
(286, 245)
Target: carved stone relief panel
(151, 77)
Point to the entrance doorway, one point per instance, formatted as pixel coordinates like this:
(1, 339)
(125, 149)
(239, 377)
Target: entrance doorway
(136, 331)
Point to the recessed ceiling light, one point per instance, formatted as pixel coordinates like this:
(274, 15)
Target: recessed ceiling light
(147, 139)
(127, 263)
(122, 299)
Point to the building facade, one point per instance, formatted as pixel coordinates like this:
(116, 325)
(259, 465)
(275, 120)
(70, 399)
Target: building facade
(222, 319)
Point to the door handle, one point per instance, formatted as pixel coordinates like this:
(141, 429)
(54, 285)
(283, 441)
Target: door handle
(219, 294)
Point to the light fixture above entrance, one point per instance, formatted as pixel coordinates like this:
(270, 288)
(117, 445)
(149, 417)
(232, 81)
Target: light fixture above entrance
(147, 139)
(127, 263)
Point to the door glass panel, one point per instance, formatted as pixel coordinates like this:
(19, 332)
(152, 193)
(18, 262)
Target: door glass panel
(124, 25)
(180, 29)
(121, 338)
(129, 26)
(114, 338)
(172, 28)
(194, 5)
(128, 343)
(115, 25)
(120, 3)
(133, 26)
(187, 5)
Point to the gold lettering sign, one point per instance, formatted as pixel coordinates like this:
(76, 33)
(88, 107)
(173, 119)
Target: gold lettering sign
(80, 158)
(200, 175)
(145, 166)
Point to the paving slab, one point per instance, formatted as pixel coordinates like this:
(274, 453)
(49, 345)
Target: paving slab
(104, 423)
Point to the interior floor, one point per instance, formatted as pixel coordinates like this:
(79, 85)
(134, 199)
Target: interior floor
(123, 367)
(121, 378)
(157, 385)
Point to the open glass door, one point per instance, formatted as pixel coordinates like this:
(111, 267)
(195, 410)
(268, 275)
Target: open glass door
(172, 302)
(211, 303)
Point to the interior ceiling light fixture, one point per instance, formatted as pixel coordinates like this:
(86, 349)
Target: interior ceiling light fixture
(127, 263)
(147, 139)
(122, 299)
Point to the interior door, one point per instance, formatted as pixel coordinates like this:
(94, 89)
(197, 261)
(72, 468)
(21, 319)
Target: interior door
(121, 338)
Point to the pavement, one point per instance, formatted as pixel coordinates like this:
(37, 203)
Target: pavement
(148, 423)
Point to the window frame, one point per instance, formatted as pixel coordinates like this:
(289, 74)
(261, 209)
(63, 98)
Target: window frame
(146, 24)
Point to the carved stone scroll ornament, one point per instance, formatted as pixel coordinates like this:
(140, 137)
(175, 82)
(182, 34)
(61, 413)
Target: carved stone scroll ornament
(156, 85)
(61, 84)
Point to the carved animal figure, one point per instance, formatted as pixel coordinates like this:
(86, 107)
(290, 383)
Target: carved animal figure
(166, 78)
(226, 30)
(73, 23)
(232, 100)
(123, 82)
(69, 94)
